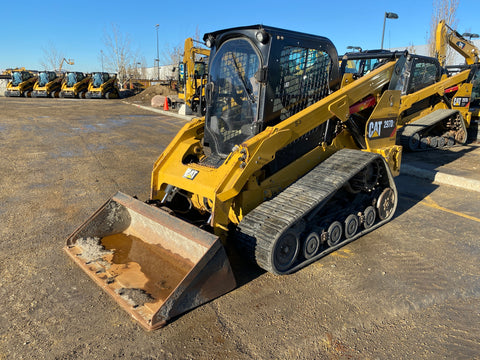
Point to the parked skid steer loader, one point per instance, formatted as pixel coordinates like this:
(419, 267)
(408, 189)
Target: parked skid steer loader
(103, 85)
(433, 111)
(48, 84)
(21, 84)
(277, 167)
(75, 85)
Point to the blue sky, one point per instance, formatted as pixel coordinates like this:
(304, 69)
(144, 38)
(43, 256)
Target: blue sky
(76, 28)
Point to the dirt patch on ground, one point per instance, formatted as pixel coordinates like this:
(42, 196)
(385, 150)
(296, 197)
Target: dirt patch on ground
(145, 97)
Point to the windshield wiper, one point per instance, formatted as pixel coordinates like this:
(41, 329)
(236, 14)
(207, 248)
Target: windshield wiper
(242, 79)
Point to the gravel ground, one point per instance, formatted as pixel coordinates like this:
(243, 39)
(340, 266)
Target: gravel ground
(407, 290)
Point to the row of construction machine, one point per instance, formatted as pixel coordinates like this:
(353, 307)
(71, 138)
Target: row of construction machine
(71, 84)
(433, 112)
(192, 76)
(280, 170)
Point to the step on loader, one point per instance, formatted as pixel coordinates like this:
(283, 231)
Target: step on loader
(279, 167)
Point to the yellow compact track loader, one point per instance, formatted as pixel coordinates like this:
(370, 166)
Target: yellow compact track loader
(48, 84)
(434, 111)
(102, 85)
(278, 167)
(75, 85)
(21, 84)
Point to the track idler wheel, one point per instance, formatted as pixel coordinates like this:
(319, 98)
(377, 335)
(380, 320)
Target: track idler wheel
(285, 251)
(461, 137)
(386, 203)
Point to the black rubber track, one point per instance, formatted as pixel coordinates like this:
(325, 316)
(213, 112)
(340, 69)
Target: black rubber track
(428, 121)
(259, 229)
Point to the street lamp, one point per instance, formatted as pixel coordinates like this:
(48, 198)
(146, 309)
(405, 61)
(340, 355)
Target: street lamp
(388, 15)
(470, 35)
(158, 57)
(357, 48)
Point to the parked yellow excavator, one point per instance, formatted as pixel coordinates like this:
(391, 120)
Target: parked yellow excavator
(48, 84)
(278, 167)
(21, 83)
(192, 76)
(103, 85)
(433, 113)
(75, 85)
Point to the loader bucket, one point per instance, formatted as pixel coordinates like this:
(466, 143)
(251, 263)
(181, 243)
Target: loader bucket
(155, 265)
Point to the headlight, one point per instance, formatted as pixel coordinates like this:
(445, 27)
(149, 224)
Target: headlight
(262, 36)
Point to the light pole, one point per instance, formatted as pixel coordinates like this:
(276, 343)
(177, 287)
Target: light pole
(158, 57)
(101, 53)
(470, 36)
(388, 15)
(357, 48)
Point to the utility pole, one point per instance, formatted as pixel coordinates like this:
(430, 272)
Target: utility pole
(158, 56)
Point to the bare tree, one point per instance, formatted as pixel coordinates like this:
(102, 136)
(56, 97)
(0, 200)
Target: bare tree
(172, 55)
(119, 56)
(442, 10)
(52, 58)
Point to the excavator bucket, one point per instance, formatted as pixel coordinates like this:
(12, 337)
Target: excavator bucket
(155, 265)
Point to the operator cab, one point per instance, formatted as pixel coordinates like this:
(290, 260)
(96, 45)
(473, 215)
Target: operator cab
(20, 76)
(415, 72)
(259, 76)
(45, 77)
(74, 77)
(100, 78)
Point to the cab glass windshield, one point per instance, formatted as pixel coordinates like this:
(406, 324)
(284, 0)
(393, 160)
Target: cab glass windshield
(233, 89)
